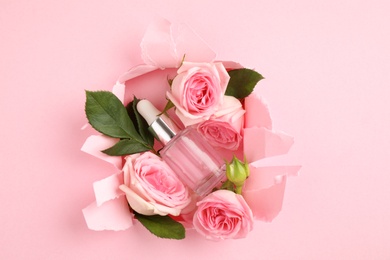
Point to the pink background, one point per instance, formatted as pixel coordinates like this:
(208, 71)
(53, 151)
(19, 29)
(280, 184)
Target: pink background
(327, 83)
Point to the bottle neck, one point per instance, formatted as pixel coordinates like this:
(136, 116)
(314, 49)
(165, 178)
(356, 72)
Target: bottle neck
(163, 129)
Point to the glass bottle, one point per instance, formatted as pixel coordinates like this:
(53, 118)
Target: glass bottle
(189, 155)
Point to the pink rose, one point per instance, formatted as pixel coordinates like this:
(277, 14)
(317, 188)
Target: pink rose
(232, 112)
(197, 91)
(151, 187)
(220, 134)
(224, 128)
(223, 214)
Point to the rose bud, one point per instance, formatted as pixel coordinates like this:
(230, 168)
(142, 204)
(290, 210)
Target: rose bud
(237, 172)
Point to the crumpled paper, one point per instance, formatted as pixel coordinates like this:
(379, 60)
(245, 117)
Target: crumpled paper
(163, 47)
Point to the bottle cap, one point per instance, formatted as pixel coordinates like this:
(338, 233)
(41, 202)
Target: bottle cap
(148, 111)
(160, 125)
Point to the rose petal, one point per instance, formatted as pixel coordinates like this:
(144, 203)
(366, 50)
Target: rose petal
(229, 105)
(143, 207)
(257, 113)
(185, 118)
(223, 214)
(136, 202)
(198, 91)
(261, 142)
(96, 143)
(112, 215)
(164, 45)
(108, 188)
(163, 210)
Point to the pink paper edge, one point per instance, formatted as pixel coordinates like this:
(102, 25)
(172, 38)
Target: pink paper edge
(112, 215)
(108, 188)
(96, 143)
(260, 142)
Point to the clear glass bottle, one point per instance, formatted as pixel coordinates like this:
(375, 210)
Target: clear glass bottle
(189, 155)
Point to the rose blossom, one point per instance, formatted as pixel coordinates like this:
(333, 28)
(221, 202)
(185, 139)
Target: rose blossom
(197, 91)
(220, 134)
(223, 214)
(151, 187)
(225, 127)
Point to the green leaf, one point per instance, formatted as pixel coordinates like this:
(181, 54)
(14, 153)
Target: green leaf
(140, 123)
(168, 106)
(127, 146)
(162, 226)
(242, 82)
(107, 114)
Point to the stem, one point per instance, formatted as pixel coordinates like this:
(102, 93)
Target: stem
(228, 185)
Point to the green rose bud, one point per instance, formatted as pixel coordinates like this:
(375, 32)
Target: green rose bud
(237, 172)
